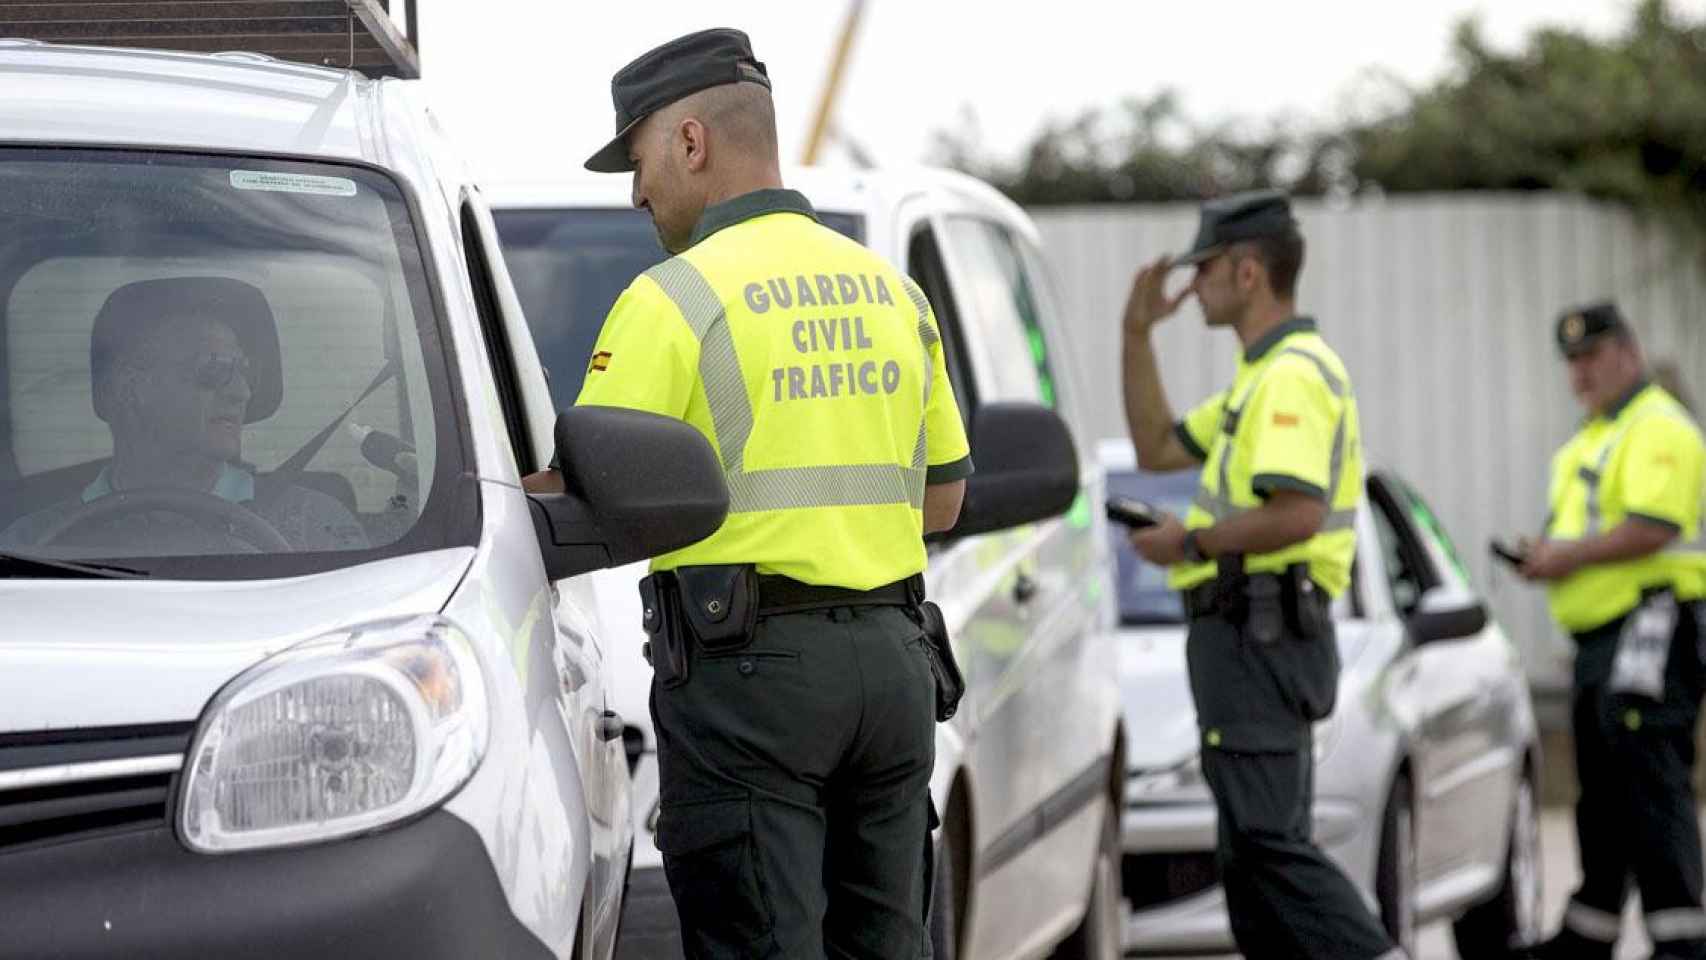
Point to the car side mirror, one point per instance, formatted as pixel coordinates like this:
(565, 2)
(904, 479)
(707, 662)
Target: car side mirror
(1447, 613)
(1026, 468)
(636, 485)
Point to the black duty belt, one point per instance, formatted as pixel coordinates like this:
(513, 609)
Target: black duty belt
(1206, 599)
(778, 594)
(1202, 600)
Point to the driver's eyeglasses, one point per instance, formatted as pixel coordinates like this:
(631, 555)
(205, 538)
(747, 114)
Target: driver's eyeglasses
(217, 373)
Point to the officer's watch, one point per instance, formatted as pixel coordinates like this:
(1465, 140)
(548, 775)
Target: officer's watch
(1193, 547)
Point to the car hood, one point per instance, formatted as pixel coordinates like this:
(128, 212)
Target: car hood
(96, 653)
(1160, 720)
(1155, 692)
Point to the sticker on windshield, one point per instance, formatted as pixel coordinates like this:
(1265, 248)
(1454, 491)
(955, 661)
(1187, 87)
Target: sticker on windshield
(292, 183)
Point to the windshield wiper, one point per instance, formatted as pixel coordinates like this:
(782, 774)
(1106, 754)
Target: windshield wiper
(27, 565)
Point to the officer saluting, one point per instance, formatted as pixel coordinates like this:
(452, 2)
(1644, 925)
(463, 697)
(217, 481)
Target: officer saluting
(1266, 544)
(794, 694)
(1625, 568)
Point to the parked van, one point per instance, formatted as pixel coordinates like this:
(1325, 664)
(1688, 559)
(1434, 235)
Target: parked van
(290, 666)
(1029, 773)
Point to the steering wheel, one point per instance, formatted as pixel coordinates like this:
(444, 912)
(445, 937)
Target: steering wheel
(202, 508)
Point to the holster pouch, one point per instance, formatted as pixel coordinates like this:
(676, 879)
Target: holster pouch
(1643, 647)
(666, 629)
(1230, 586)
(1266, 618)
(950, 683)
(720, 603)
(1307, 605)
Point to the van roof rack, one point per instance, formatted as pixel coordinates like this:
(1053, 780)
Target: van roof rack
(360, 35)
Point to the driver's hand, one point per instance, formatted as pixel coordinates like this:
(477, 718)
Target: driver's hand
(545, 481)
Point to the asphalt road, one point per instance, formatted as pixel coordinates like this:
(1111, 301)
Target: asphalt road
(1558, 854)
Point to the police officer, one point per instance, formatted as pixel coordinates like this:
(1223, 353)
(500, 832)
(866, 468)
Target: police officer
(793, 693)
(1625, 568)
(1267, 543)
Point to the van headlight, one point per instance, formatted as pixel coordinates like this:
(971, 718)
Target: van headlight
(341, 734)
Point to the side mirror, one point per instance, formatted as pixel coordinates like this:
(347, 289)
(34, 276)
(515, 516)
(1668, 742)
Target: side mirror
(1447, 613)
(638, 485)
(1027, 468)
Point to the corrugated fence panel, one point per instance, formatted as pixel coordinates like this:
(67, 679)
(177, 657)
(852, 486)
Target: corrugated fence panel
(1442, 307)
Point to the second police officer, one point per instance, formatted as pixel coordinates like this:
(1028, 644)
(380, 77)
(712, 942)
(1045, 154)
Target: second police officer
(1266, 545)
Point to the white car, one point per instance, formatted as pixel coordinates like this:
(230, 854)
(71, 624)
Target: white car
(290, 666)
(1427, 773)
(1027, 774)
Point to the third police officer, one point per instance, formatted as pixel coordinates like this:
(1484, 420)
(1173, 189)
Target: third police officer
(1625, 569)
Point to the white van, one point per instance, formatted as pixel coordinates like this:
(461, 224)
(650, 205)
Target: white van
(290, 666)
(1029, 773)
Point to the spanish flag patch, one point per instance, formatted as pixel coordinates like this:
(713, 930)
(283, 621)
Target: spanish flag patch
(600, 361)
(1285, 419)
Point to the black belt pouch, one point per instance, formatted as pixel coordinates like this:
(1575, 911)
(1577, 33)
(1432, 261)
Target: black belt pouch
(720, 603)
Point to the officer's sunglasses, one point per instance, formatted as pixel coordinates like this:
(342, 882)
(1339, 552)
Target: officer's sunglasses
(217, 373)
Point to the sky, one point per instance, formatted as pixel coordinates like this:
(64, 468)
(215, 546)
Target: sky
(524, 85)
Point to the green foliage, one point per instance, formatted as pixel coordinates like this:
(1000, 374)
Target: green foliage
(1622, 118)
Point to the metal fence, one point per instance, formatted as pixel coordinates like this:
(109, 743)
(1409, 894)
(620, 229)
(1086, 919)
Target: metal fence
(1442, 307)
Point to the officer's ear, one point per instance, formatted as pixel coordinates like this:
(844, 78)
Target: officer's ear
(692, 144)
(1247, 272)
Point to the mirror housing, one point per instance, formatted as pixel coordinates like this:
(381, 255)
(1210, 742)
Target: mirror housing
(638, 485)
(1447, 613)
(1026, 468)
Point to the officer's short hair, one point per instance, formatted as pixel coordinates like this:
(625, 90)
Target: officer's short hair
(745, 111)
(1282, 256)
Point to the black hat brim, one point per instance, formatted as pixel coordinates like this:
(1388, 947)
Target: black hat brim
(613, 156)
(1573, 350)
(1191, 258)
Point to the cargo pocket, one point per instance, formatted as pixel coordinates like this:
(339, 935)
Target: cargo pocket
(1317, 663)
(714, 875)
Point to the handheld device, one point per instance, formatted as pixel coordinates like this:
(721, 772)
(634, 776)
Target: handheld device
(1133, 513)
(1507, 553)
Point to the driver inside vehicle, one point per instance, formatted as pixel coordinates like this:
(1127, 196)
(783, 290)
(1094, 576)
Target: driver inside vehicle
(178, 368)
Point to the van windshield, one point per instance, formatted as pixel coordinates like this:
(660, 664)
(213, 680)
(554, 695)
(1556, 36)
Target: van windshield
(217, 367)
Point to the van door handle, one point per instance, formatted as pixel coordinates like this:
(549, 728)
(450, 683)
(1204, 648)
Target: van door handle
(1025, 588)
(610, 726)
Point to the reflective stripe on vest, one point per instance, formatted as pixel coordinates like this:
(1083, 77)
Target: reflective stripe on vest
(1219, 505)
(1590, 923)
(1592, 477)
(926, 336)
(731, 416)
(1679, 923)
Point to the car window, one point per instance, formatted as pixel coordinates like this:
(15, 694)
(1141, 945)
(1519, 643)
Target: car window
(569, 265)
(1144, 597)
(246, 349)
(1404, 581)
(1003, 311)
(1447, 562)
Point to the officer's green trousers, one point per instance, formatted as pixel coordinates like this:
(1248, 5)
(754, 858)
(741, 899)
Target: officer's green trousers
(1636, 816)
(794, 780)
(1284, 897)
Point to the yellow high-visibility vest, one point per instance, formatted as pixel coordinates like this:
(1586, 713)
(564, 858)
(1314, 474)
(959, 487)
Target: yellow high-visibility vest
(814, 368)
(1644, 459)
(1288, 422)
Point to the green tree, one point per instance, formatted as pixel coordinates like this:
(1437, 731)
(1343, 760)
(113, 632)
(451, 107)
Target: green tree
(1622, 118)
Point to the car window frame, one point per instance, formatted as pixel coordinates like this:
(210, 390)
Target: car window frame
(1411, 549)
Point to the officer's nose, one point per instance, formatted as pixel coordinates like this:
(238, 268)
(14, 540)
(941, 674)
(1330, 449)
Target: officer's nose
(237, 388)
(637, 198)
